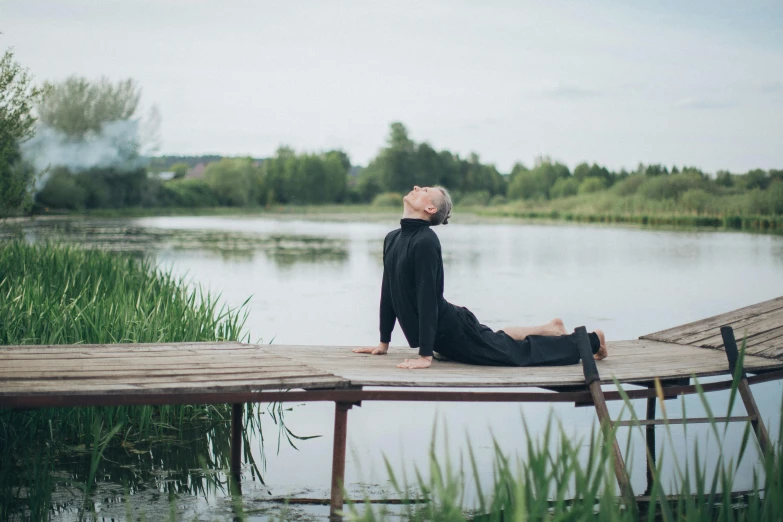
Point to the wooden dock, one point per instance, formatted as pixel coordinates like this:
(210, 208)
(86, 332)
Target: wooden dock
(236, 373)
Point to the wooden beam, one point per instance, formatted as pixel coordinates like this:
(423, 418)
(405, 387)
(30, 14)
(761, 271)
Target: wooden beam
(593, 381)
(236, 440)
(338, 458)
(730, 345)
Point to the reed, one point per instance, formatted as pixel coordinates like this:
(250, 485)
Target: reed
(53, 294)
(559, 478)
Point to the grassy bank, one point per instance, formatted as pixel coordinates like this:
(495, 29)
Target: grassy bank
(729, 212)
(64, 295)
(578, 209)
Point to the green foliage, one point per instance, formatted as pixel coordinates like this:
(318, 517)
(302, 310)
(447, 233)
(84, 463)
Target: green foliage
(235, 182)
(564, 187)
(404, 163)
(62, 191)
(695, 200)
(479, 198)
(62, 295)
(388, 199)
(590, 185)
(536, 183)
(557, 478)
(368, 183)
(97, 188)
(305, 178)
(629, 185)
(78, 108)
(18, 96)
(498, 200)
(671, 186)
(191, 193)
(180, 169)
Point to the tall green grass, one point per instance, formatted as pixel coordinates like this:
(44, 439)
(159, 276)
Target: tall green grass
(52, 294)
(64, 295)
(559, 478)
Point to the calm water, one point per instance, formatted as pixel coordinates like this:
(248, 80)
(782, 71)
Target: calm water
(318, 282)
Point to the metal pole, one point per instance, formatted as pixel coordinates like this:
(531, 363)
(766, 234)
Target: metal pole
(236, 440)
(338, 457)
(730, 345)
(650, 439)
(593, 381)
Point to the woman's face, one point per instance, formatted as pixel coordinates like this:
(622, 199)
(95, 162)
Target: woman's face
(421, 198)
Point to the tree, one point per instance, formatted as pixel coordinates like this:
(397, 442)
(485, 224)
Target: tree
(18, 96)
(180, 169)
(89, 124)
(397, 162)
(235, 182)
(77, 107)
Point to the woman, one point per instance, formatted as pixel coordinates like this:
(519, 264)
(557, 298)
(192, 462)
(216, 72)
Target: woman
(412, 294)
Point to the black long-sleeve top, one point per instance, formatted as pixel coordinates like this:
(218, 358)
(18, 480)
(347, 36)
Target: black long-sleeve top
(412, 287)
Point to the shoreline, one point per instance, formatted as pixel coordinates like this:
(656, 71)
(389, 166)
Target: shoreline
(772, 225)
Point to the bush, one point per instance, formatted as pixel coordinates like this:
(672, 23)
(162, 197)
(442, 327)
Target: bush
(388, 199)
(191, 193)
(671, 186)
(62, 191)
(590, 185)
(235, 181)
(695, 200)
(498, 200)
(564, 187)
(629, 185)
(479, 198)
(528, 185)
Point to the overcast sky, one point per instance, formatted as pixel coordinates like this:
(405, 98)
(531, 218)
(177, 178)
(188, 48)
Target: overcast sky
(697, 83)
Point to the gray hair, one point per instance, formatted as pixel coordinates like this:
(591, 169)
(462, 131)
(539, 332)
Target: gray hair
(442, 215)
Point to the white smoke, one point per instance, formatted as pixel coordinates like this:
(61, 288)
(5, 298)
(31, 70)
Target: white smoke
(123, 145)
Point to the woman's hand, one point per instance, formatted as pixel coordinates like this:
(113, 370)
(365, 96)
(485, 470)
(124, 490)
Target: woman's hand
(415, 364)
(381, 349)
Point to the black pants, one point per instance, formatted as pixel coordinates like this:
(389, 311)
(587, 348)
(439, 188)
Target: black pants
(466, 340)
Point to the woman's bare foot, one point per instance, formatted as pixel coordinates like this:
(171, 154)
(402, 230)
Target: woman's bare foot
(556, 327)
(602, 352)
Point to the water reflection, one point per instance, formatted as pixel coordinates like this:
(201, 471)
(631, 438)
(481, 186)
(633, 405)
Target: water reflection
(317, 282)
(285, 250)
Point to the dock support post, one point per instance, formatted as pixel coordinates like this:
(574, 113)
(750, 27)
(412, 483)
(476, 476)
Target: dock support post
(236, 440)
(338, 457)
(650, 440)
(730, 345)
(593, 381)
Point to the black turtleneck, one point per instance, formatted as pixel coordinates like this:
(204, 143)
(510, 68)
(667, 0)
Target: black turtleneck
(412, 288)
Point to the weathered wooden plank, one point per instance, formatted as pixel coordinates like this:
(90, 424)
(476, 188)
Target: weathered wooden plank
(8, 394)
(674, 334)
(142, 362)
(748, 326)
(84, 369)
(207, 379)
(125, 354)
(131, 373)
(765, 337)
(125, 347)
(628, 361)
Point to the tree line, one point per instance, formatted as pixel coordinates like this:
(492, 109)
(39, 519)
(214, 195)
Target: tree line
(100, 121)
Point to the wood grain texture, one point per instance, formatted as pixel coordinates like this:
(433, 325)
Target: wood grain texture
(760, 325)
(128, 372)
(628, 361)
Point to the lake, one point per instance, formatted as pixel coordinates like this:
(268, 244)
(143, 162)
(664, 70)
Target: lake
(317, 281)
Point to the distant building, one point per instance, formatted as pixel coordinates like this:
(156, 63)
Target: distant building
(197, 172)
(163, 176)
